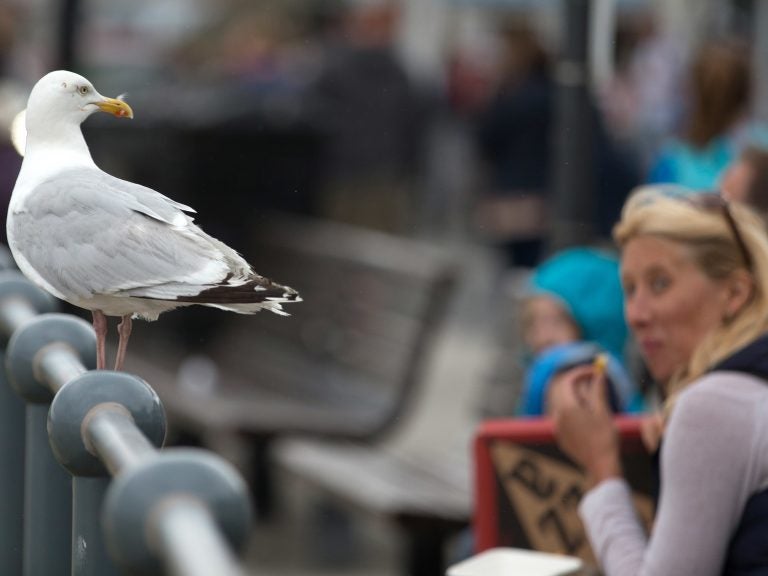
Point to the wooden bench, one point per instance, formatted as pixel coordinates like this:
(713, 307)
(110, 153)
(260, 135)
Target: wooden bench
(344, 365)
(418, 480)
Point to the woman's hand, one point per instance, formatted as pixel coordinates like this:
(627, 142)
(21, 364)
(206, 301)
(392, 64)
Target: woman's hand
(584, 426)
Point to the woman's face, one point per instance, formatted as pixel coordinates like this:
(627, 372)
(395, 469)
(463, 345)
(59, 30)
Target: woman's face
(670, 304)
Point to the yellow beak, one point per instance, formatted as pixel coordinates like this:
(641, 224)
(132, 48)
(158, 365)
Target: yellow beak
(115, 107)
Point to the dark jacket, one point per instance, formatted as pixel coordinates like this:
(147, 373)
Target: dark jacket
(748, 550)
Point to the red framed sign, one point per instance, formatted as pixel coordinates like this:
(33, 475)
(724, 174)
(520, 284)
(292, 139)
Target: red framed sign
(527, 492)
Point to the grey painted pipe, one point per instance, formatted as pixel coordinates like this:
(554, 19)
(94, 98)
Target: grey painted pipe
(190, 541)
(11, 477)
(100, 423)
(193, 504)
(20, 302)
(184, 512)
(89, 551)
(115, 438)
(48, 487)
(47, 502)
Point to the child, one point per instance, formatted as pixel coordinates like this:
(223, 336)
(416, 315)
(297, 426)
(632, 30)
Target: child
(572, 313)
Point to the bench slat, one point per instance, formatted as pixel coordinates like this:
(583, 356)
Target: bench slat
(377, 480)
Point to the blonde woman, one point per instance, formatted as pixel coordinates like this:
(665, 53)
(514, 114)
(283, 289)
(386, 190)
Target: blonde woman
(695, 275)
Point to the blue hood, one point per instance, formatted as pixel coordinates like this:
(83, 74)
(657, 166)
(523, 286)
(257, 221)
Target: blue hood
(586, 281)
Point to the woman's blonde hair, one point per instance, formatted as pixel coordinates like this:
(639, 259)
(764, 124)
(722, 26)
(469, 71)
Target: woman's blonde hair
(705, 231)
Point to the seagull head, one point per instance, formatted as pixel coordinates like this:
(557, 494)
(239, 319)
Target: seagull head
(64, 99)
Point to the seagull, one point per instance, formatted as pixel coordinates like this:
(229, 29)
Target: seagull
(108, 245)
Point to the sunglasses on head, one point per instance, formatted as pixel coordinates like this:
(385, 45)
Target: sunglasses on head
(715, 201)
(710, 200)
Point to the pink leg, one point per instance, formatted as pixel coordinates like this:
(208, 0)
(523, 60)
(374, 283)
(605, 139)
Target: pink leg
(124, 329)
(100, 327)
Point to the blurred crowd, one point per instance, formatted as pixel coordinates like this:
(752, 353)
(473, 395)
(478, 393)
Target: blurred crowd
(325, 107)
(351, 71)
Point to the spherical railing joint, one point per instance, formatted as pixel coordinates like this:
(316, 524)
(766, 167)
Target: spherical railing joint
(13, 284)
(22, 356)
(137, 497)
(80, 400)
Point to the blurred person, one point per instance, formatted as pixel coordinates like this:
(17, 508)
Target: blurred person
(568, 311)
(371, 119)
(694, 270)
(251, 44)
(514, 141)
(746, 179)
(717, 124)
(573, 313)
(641, 113)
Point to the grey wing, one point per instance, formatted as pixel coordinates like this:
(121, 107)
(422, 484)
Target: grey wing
(146, 200)
(86, 233)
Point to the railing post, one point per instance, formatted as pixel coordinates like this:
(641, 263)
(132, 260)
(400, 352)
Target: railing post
(83, 404)
(20, 301)
(89, 551)
(11, 477)
(47, 502)
(175, 512)
(48, 489)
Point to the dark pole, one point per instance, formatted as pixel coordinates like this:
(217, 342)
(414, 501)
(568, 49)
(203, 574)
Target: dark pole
(573, 177)
(66, 39)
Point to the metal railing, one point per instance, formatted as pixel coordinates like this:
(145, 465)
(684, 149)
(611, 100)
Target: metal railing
(84, 487)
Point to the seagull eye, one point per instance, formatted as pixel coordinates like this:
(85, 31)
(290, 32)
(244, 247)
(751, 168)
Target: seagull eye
(83, 90)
